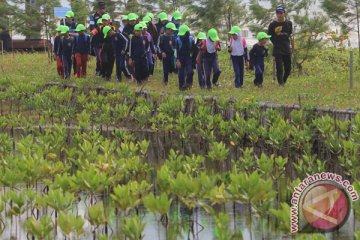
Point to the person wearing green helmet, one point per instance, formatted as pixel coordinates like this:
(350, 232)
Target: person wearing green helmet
(197, 58)
(81, 50)
(57, 42)
(66, 51)
(124, 22)
(121, 44)
(184, 61)
(176, 19)
(166, 48)
(149, 46)
(97, 40)
(106, 19)
(129, 28)
(69, 21)
(257, 56)
(151, 28)
(137, 54)
(238, 52)
(161, 25)
(107, 53)
(209, 48)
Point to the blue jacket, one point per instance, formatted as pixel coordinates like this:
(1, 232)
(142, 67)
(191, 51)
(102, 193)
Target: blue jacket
(66, 47)
(184, 50)
(82, 44)
(137, 47)
(120, 43)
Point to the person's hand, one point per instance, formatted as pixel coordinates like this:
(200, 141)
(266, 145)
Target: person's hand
(155, 57)
(229, 49)
(163, 54)
(247, 65)
(178, 64)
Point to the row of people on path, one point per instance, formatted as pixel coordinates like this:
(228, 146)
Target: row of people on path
(135, 47)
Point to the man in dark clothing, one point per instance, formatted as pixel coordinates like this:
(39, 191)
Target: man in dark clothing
(137, 54)
(166, 49)
(107, 53)
(280, 31)
(184, 61)
(69, 21)
(66, 51)
(97, 15)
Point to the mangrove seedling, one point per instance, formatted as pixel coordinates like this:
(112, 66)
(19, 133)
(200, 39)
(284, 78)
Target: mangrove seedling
(41, 228)
(132, 228)
(69, 223)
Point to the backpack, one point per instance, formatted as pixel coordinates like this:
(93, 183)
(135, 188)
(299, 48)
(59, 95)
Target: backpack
(179, 42)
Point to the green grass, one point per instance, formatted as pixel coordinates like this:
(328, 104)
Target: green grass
(324, 81)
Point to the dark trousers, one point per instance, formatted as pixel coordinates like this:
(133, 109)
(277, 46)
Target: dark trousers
(98, 60)
(150, 62)
(67, 62)
(81, 64)
(211, 64)
(238, 65)
(185, 73)
(107, 65)
(141, 69)
(59, 66)
(200, 73)
(168, 67)
(259, 73)
(283, 67)
(121, 67)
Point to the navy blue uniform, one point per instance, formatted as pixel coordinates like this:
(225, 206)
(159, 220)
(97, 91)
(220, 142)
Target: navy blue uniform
(93, 20)
(82, 44)
(66, 51)
(185, 50)
(120, 45)
(128, 30)
(97, 41)
(257, 55)
(72, 26)
(138, 55)
(167, 46)
(57, 42)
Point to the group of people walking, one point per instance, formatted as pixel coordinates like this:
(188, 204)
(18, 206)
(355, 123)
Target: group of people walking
(137, 45)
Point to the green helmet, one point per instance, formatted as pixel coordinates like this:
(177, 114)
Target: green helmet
(106, 30)
(163, 16)
(64, 29)
(144, 25)
(80, 27)
(262, 35)
(171, 26)
(99, 21)
(177, 15)
(106, 17)
(150, 15)
(58, 29)
(146, 19)
(213, 34)
(124, 17)
(183, 29)
(235, 30)
(138, 27)
(69, 14)
(201, 36)
(132, 16)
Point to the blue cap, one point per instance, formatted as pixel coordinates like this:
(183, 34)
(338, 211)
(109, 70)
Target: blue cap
(280, 9)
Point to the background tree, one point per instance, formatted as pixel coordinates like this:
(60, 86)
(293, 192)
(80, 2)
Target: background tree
(32, 18)
(344, 13)
(81, 10)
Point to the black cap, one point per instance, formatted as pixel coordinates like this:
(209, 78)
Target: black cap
(101, 4)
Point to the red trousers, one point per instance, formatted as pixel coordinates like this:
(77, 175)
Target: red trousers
(59, 66)
(81, 64)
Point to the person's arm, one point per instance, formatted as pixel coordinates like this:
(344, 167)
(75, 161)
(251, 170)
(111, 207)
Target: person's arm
(252, 55)
(87, 38)
(125, 43)
(246, 57)
(271, 32)
(74, 46)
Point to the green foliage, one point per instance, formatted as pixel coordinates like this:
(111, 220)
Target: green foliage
(41, 228)
(96, 215)
(132, 228)
(159, 204)
(283, 216)
(218, 152)
(70, 223)
(222, 231)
